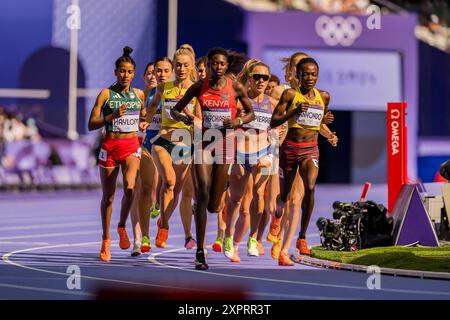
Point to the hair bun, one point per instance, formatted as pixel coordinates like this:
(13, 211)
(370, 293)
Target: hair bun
(127, 51)
(187, 47)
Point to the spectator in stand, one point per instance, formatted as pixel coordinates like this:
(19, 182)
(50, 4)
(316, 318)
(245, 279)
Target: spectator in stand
(31, 130)
(14, 129)
(339, 6)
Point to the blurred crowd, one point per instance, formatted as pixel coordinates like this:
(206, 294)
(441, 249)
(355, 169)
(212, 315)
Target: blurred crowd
(13, 128)
(434, 19)
(433, 15)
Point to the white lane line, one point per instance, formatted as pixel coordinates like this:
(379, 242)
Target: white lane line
(50, 225)
(77, 293)
(25, 243)
(58, 234)
(293, 296)
(7, 260)
(152, 258)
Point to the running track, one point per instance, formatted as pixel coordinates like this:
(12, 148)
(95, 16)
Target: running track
(41, 234)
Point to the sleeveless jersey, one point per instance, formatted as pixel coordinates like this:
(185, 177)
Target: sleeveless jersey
(217, 105)
(128, 122)
(310, 119)
(170, 97)
(263, 115)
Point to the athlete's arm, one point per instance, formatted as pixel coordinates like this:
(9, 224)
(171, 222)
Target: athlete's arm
(96, 120)
(242, 96)
(328, 116)
(280, 115)
(142, 112)
(153, 105)
(177, 111)
(327, 119)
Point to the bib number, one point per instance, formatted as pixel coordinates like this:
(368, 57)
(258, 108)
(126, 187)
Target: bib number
(127, 123)
(168, 106)
(311, 117)
(213, 118)
(156, 121)
(261, 122)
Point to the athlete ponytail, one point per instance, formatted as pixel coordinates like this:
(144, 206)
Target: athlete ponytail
(126, 57)
(186, 49)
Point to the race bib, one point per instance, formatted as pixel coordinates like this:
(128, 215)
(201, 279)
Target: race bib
(156, 121)
(213, 118)
(261, 122)
(170, 103)
(311, 117)
(127, 123)
(103, 155)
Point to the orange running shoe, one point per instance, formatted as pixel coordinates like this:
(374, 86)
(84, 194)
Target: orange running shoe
(276, 248)
(161, 237)
(274, 229)
(105, 253)
(260, 248)
(284, 260)
(302, 247)
(124, 242)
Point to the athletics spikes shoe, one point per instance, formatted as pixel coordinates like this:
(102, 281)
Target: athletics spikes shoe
(124, 242)
(161, 237)
(228, 247)
(217, 245)
(284, 260)
(200, 260)
(136, 249)
(105, 253)
(154, 212)
(145, 247)
(190, 243)
(252, 247)
(274, 229)
(302, 247)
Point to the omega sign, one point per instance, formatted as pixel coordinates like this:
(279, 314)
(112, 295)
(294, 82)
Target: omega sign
(338, 30)
(395, 128)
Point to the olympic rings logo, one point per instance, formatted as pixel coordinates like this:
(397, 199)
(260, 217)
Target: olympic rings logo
(338, 30)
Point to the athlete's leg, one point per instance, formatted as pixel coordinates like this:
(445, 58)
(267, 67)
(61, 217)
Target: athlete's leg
(108, 178)
(129, 171)
(243, 221)
(259, 186)
(292, 213)
(164, 165)
(238, 182)
(186, 205)
(309, 171)
(218, 187)
(135, 223)
(147, 194)
(203, 178)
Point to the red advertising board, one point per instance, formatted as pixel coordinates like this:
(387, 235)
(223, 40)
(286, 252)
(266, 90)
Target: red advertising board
(397, 169)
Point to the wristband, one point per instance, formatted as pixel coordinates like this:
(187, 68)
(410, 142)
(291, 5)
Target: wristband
(241, 122)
